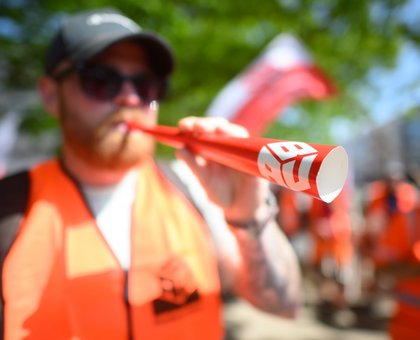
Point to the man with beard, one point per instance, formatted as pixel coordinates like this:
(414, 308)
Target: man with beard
(98, 243)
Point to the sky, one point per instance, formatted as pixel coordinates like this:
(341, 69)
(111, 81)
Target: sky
(399, 88)
(392, 94)
(393, 91)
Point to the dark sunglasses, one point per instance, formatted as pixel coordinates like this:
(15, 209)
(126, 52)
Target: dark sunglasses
(104, 83)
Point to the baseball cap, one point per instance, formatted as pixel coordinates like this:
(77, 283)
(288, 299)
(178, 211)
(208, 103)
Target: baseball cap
(84, 35)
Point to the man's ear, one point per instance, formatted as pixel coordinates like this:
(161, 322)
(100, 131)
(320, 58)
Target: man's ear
(48, 89)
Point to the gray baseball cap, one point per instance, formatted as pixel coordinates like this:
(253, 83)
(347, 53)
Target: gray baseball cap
(84, 35)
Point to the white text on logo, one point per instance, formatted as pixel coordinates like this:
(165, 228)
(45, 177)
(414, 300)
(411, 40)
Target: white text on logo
(287, 164)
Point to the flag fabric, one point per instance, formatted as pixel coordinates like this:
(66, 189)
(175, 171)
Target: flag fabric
(283, 74)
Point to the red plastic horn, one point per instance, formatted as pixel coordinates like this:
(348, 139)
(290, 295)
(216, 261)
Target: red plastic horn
(315, 169)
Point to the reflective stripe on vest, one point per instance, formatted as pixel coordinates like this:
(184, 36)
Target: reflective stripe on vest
(62, 281)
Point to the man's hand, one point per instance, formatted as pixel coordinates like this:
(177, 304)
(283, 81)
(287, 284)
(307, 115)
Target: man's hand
(239, 194)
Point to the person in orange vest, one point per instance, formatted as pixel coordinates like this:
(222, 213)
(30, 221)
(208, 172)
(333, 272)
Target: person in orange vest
(332, 255)
(332, 229)
(394, 217)
(98, 243)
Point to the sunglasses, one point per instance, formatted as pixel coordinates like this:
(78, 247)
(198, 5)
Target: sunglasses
(104, 83)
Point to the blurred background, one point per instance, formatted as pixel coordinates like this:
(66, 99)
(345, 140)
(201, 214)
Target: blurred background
(354, 71)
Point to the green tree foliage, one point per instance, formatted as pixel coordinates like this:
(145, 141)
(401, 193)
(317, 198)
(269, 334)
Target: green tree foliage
(215, 39)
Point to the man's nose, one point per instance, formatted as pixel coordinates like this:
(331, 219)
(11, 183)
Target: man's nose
(128, 95)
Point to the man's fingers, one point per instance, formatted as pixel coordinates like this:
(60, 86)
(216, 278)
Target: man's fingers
(216, 125)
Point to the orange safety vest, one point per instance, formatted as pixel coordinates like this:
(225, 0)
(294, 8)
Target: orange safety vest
(331, 228)
(62, 281)
(397, 245)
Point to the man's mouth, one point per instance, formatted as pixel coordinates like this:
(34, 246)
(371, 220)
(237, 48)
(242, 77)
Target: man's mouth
(125, 127)
(121, 127)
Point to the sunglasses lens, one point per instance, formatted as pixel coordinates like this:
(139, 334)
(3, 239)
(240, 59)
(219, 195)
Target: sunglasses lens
(104, 83)
(100, 83)
(146, 87)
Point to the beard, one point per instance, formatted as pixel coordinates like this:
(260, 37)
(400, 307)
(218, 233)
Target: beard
(106, 144)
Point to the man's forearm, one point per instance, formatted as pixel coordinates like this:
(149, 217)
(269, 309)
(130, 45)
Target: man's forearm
(269, 275)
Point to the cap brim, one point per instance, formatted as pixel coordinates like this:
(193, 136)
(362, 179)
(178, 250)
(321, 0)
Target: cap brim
(159, 53)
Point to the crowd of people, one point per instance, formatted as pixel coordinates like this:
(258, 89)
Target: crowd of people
(360, 248)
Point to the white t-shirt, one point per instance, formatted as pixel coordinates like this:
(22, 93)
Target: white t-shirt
(112, 208)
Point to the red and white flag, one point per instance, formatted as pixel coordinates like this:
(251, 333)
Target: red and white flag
(282, 74)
